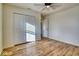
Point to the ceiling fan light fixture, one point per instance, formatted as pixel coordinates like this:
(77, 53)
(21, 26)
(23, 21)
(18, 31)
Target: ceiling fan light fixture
(47, 6)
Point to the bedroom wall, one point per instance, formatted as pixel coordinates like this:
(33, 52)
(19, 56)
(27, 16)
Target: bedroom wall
(8, 23)
(64, 26)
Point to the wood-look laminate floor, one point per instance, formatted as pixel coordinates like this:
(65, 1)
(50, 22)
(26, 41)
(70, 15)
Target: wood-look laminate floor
(44, 47)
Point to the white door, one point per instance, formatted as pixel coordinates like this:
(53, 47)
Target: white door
(19, 28)
(45, 28)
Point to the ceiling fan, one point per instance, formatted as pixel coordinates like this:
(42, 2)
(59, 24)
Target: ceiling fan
(46, 6)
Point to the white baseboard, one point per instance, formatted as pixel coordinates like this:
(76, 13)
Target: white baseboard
(71, 43)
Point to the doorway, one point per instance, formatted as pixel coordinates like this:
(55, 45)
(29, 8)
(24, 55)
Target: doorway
(45, 30)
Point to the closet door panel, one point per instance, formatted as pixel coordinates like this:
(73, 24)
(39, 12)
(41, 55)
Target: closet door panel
(19, 28)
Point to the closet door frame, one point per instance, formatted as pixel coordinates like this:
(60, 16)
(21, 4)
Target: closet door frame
(24, 22)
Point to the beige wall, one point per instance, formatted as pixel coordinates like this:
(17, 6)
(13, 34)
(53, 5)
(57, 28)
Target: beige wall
(8, 22)
(0, 28)
(64, 26)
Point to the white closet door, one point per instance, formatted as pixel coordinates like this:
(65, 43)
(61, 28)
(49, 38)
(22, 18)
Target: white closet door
(19, 28)
(45, 28)
(30, 28)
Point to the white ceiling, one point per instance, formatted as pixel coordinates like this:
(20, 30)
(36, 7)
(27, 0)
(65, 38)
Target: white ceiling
(40, 6)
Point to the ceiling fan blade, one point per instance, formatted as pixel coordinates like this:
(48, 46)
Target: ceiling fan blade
(55, 5)
(52, 7)
(44, 8)
(39, 4)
